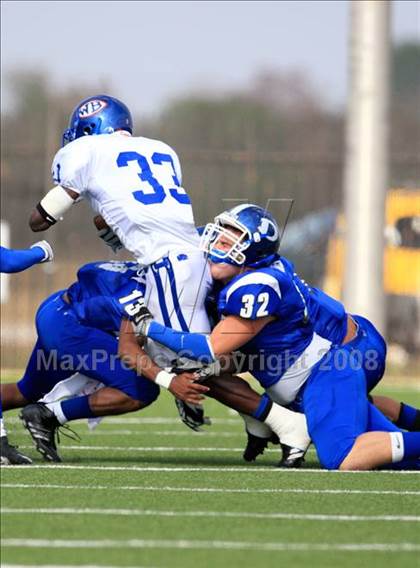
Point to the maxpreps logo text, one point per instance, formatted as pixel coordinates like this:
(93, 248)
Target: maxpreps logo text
(91, 107)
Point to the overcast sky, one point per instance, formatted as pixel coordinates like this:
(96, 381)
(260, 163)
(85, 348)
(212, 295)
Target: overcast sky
(153, 51)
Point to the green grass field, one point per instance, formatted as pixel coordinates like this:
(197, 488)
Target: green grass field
(144, 490)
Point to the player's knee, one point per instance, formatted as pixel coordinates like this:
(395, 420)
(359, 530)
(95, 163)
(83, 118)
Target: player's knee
(351, 463)
(335, 456)
(114, 401)
(149, 393)
(125, 403)
(330, 464)
(132, 405)
(348, 466)
(11, 397)
(351, 460)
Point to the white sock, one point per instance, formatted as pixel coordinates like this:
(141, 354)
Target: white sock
(2, 428)
(289, 426)
(255, 427)
(397, 446)
(56, 408)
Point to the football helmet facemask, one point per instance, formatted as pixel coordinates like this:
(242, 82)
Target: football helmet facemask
(252, 232)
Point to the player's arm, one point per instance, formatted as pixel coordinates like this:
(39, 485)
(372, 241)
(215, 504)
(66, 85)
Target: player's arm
(229, 335)
(52, 208)
(70, 172)
(19, 260)
(247, 309)
(182, 386)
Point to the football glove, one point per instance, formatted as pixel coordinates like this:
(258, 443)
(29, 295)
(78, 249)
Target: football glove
(192, 415)
(140, 315)
(110, 239)
(47, 249)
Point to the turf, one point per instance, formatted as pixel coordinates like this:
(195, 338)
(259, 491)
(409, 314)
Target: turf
(143, 490)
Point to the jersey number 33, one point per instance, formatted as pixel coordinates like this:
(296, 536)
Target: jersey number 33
(159, 193)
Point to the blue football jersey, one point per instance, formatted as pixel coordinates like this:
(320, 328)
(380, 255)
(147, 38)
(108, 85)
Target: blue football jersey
(329, 316)
(104, 292)
(271, 291)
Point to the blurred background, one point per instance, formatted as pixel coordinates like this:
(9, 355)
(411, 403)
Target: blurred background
(253, 97)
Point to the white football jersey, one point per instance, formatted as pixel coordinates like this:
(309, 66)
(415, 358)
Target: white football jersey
(135, 184)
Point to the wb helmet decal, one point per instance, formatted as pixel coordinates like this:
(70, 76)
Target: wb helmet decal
(91, 107)
(99, 114)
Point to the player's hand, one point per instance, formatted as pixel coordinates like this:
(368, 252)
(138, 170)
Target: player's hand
(110, 239)
(47, 249)
(185, 387)
(140, 316)
(107, 234)
(192, 415)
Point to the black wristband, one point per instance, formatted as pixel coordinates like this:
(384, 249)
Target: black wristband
(416, 424)
(46, 216)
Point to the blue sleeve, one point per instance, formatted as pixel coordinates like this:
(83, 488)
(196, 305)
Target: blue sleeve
(18, 260)
(100, 312)
(331, 305)
(252, 301)
(194, 346)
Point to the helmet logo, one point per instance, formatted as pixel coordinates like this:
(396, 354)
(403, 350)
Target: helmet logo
(91, 107)
(268, 229)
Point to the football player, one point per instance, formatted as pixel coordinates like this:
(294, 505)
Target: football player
(266, 309)
(17, 261)
(332, 322)
(135, 185)
(76, 333)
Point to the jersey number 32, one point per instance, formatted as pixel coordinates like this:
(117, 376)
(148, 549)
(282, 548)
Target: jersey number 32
(248, 301)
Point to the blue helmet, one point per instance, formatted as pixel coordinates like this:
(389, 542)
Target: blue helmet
(255, 239)
(100, 114)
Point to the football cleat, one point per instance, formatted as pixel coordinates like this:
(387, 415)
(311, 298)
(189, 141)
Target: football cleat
(291, 457)
(42, 425)
(256, 446)
(10, 454)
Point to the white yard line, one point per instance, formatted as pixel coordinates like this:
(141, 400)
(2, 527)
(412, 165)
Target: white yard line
(207, 514)
(199, 469)
(237, 420)
(153, 448)
(212, 545)
(187, 434)
(150, 420)
(205, 489)
(67, 566)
